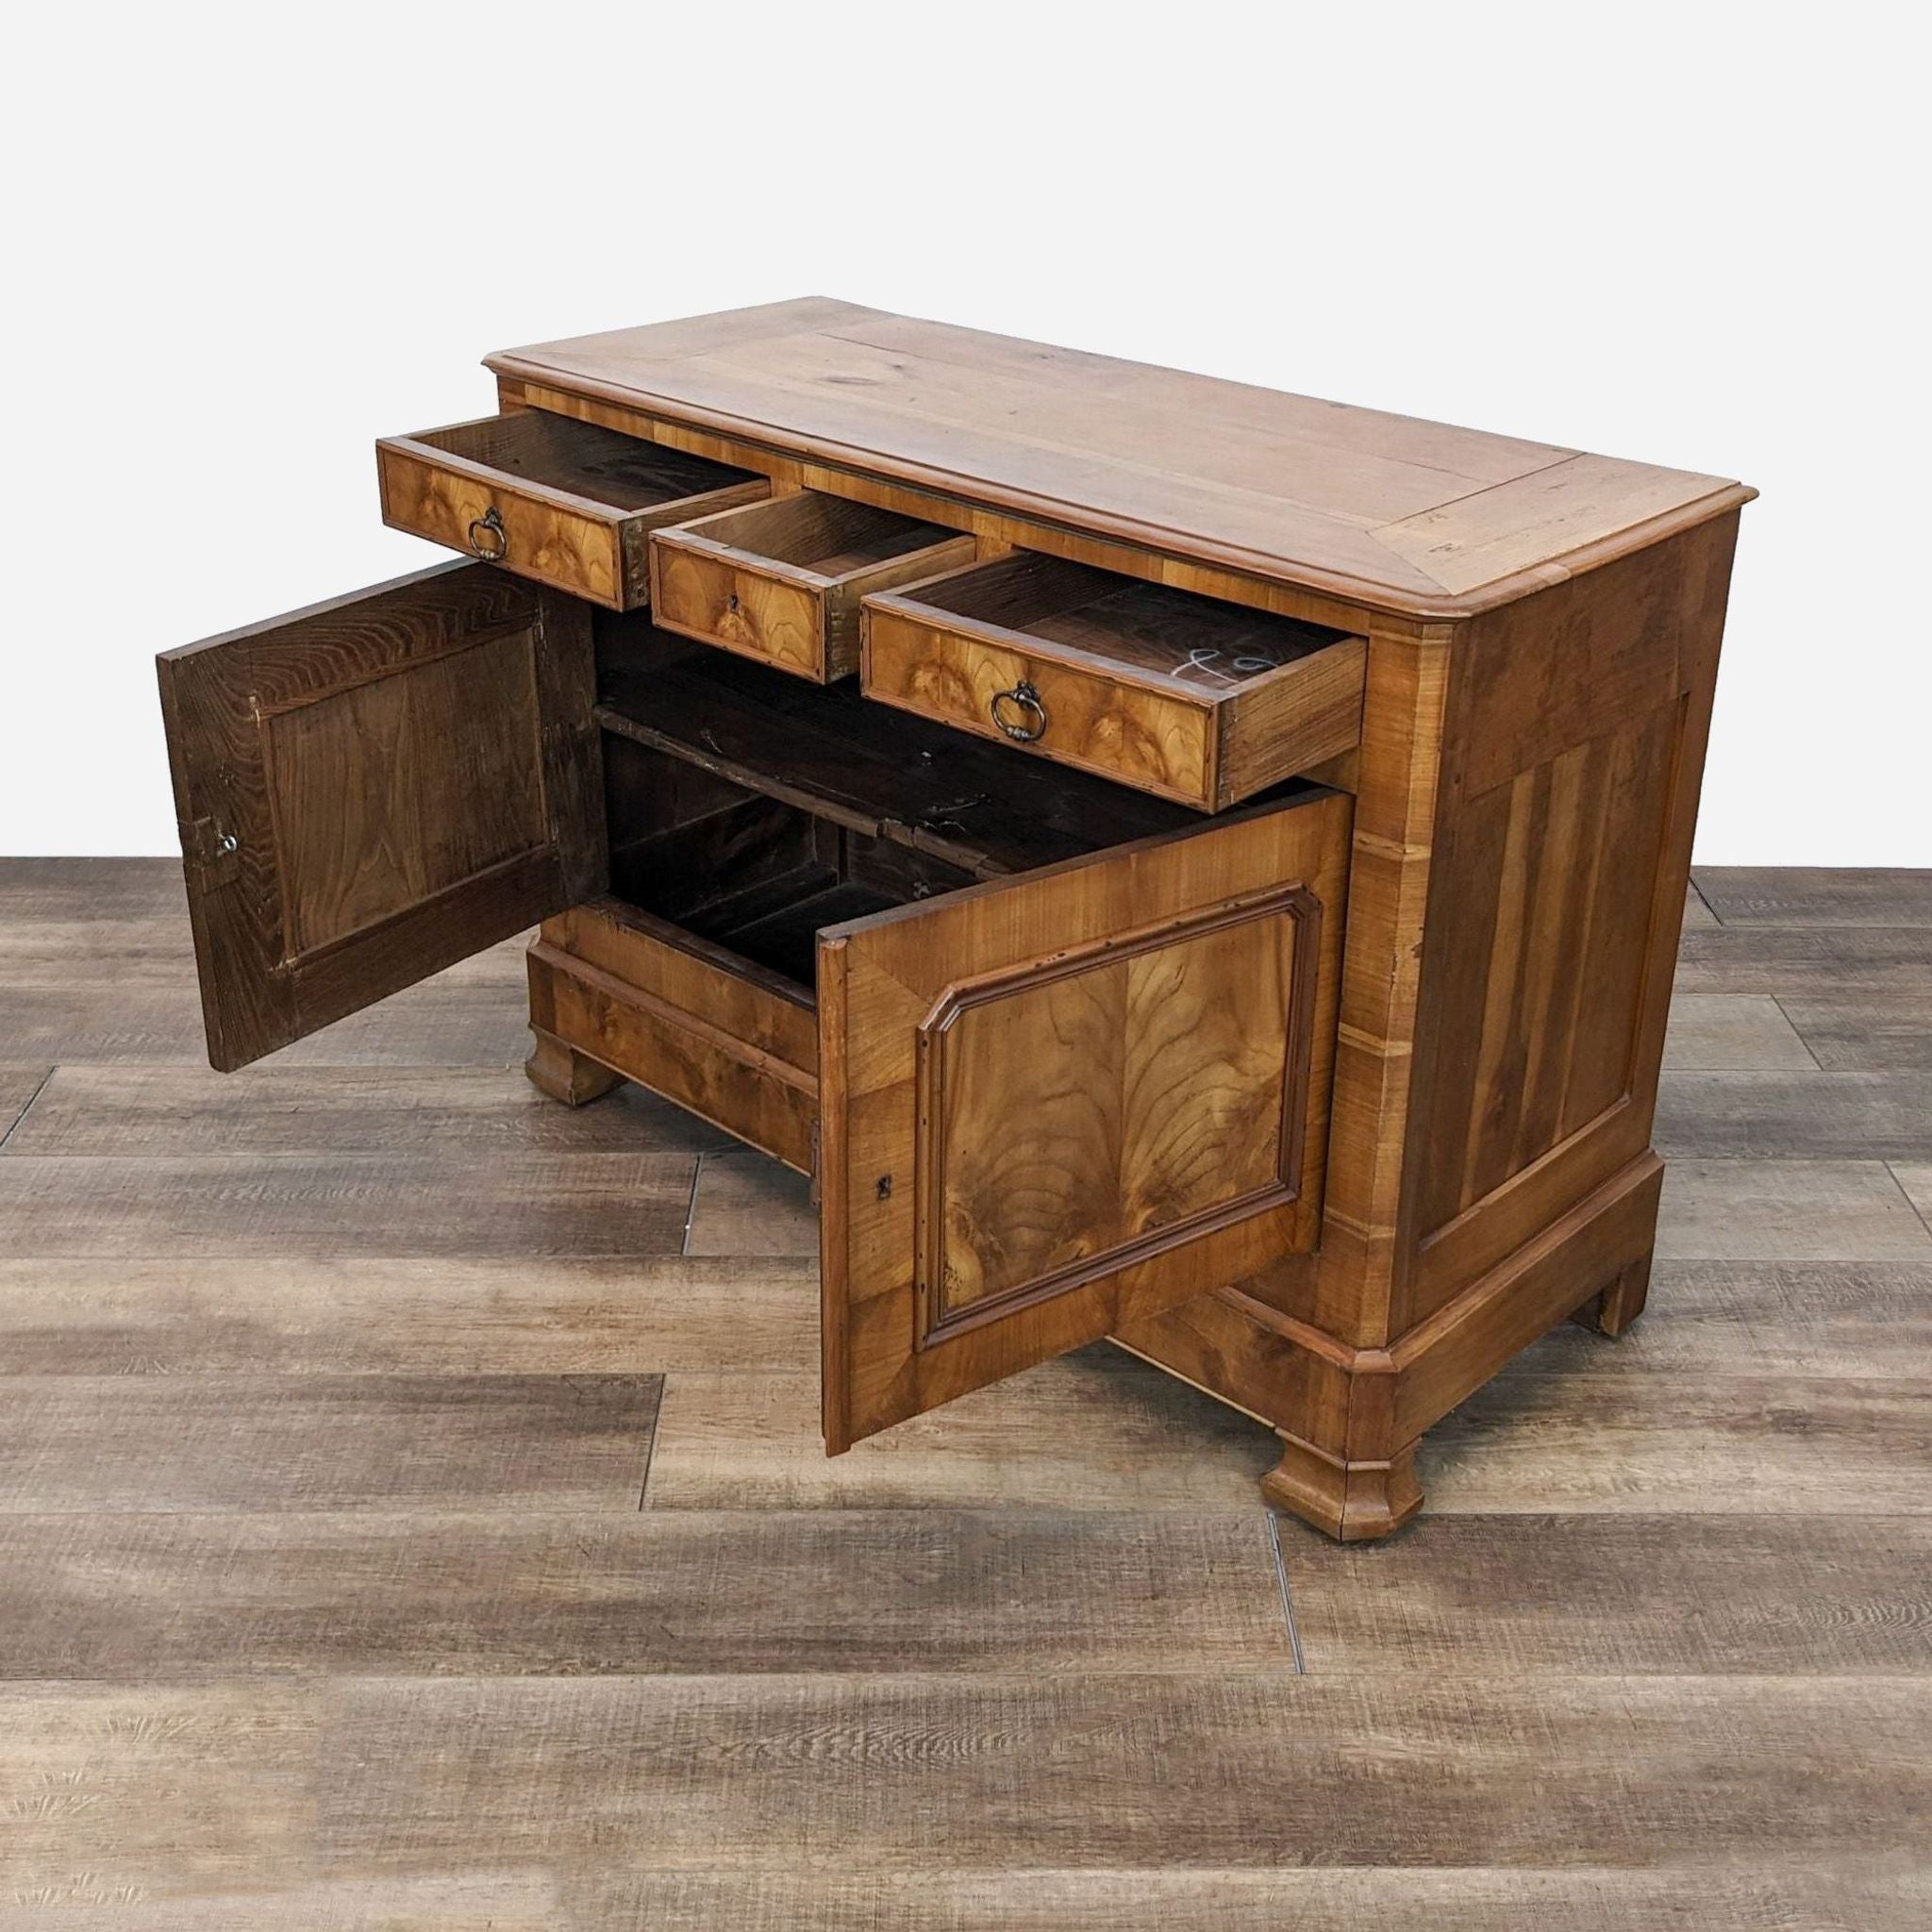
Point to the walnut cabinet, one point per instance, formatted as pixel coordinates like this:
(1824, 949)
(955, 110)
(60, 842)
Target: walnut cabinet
(1173, 863)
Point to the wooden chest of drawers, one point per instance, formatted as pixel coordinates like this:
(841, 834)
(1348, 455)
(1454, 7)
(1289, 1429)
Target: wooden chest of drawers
(1174, 862)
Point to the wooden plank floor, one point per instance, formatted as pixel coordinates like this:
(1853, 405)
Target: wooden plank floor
(412, 1515)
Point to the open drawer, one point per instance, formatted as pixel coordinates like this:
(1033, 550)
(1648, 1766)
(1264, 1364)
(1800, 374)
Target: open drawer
(1181, 695)
(566, 503)
(780, 580)
(1062, 1051)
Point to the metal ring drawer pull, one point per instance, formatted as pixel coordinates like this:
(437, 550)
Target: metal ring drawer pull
(489, 523)
(1025, 698)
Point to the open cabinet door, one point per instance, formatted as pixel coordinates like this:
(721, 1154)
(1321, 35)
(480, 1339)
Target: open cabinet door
(371, 789)
(1053, 1108)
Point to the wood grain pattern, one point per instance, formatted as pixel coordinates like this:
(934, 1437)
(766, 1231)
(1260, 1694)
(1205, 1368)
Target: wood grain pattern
(978, 1768)
(1180, 695)
(734, 1047)
(490, 1902)
(743, 1205)
(1858, 1319)
(1404, 516)
(1800, 1115)
(344, 1205)
(1752, 1894)
(1160, 742)
(782, 580)
(440, 1022)
(1877, 1032)
(1568, 853)
(880, 983)
(19, 1086)
(1731, 1033)
(1073, 1112)
(122, 1795)
(567, 503)
(1574, 748)
(1756, 1894)
(1833, 897)
(1793, 1210)
(462, 1315)
(1693, 1698)
(1883, 965)
(148, 1110)
(745, 1441)
(1796, 1444)
(1665, 1595)
(371, 789)
(601, 1589)
(228, 1442)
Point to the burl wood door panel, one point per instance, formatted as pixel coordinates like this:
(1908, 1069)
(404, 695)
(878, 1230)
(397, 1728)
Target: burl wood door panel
(374, 788)
(1054, 1106)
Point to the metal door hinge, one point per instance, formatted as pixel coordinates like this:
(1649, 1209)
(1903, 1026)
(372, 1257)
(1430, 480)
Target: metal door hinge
(816, 1194)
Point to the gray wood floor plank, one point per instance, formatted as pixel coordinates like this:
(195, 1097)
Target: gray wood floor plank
(1763, 1893)
(90, 889)
(148, 1793)
(1836, 896)
(432, 1593)
(1841, 963)
(340, 1205)
(431, 1024)
(18, 1086)
(132, 1794)
(141, 1444)
(1875, 1033)
(342, 1379)
(1802, 1116)
(1915, 1177)
(1787, 1210)
(1567, 1435)
(1862, 1319)
(526, 1901)
(156, 955)
(466, 1316)
(748, 1205)
(1668, 1594)
(908, 1772)
(1743, 1030)
(1092, 1430)
(1697, 910)
(149, 1111)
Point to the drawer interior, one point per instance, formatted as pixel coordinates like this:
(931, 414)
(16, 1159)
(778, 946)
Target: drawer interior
(1117, 625)
(822, 537)
(582, 460)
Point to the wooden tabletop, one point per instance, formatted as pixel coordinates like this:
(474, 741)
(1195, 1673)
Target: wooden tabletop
(1394, 512)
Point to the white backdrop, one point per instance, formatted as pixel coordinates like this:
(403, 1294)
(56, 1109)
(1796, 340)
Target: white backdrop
(240, 244)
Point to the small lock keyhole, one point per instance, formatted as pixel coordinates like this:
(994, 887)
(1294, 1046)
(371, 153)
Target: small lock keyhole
(885, 1186)
(731, 602)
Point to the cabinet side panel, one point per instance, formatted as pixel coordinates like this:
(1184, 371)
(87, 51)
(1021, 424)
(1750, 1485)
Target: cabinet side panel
(1573, 750)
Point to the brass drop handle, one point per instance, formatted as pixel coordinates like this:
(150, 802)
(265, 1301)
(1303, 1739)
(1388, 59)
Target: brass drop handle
(489, 524)
(1025, 699)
